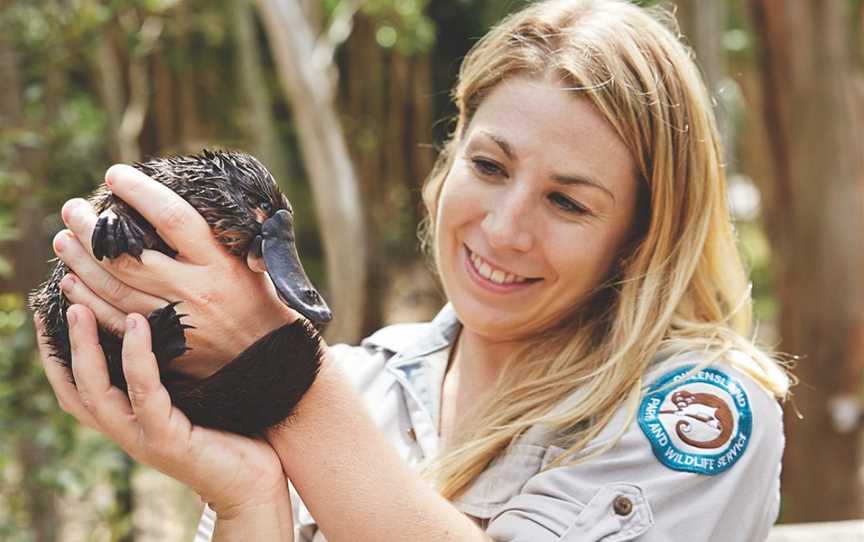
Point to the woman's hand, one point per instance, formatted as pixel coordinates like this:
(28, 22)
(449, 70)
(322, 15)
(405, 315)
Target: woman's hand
(236, 475)
(229, 305)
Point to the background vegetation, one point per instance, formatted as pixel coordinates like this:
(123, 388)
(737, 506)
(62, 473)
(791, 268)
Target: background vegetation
(86, 83)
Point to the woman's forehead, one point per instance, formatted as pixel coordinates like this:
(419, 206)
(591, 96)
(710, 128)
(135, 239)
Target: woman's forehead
(544, 121)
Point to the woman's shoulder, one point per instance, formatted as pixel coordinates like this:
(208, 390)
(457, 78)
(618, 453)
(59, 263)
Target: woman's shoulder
(747, 363)
(703, 411)
(747, 379)
(700, 455)
(697, 412)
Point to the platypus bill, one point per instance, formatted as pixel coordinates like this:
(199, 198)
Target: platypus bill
(249, 215)
(258, 204)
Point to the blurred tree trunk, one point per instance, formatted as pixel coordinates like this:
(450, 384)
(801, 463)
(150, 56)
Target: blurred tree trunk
(192, 130)
(124, 83)
(28, 253)
(177, 125)
(257, 122)
(165, 129)
(386, 106)
(814, 212)
(306, 69)
(703, 24)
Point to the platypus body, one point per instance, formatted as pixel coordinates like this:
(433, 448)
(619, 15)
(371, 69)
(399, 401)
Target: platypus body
(250, 216)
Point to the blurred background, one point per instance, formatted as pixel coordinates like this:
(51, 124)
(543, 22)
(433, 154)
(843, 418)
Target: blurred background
(346, 102)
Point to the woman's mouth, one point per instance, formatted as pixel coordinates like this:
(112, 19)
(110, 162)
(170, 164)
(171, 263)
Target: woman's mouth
(492, 277)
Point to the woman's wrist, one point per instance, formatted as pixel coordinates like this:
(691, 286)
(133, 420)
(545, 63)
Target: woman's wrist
(260, 517)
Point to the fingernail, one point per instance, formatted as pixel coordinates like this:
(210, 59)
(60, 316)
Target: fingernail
(70, 208)
(71, 317)
(130, 322)
(111, 173)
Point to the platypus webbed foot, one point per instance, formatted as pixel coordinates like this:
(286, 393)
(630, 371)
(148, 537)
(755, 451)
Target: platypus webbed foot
(116, 234)
(168, 334)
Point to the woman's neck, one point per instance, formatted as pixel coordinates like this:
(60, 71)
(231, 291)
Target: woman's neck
(477, 359)
(473, 367)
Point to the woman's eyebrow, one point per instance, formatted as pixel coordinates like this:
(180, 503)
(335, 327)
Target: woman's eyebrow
(578, 179)
(557, 177)
(505, 147)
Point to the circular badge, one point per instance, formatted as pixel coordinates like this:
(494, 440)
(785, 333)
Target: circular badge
(700, 422)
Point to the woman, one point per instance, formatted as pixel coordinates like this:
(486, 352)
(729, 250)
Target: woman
(591, 377)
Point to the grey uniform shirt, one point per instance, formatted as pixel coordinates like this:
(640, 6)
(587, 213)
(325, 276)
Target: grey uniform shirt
(700, 461)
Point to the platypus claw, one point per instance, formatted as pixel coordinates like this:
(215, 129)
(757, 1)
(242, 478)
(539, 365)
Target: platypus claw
(168, 334)
(115, 235)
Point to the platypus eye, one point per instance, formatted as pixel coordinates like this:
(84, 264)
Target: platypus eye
(266, 207)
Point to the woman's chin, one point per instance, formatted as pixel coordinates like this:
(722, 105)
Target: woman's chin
(495, 324)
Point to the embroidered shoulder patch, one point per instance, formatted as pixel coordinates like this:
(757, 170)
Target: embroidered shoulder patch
(699, 423)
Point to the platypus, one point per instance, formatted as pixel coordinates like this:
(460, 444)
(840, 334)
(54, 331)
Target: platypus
(250, 216)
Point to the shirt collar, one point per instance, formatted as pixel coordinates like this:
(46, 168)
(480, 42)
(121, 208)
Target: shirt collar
(409, 345)
(419, 359)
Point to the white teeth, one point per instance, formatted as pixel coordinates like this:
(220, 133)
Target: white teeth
(497, 276)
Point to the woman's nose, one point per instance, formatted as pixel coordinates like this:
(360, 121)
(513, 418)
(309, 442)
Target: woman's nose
(508, 224)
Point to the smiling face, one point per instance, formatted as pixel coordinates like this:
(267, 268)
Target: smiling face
(536, 207)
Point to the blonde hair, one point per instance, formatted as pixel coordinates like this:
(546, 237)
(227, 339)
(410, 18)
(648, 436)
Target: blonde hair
(681, 283)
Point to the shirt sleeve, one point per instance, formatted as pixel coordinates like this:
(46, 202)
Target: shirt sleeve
(699, 461)
(206, 525)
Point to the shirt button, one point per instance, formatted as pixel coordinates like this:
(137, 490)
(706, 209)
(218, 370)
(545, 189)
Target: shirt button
(622, 505)
(411, 435)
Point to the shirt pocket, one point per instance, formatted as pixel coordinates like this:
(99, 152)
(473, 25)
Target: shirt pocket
(557, 506)
(501, 480)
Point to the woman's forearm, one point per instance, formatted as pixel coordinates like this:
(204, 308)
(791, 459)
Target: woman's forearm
(269, 520)
(353, 481)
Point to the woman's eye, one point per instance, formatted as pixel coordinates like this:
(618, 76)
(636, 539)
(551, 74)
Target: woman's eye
(563, 202)
(486, 167)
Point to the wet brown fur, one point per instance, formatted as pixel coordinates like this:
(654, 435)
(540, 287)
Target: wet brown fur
(261, 387)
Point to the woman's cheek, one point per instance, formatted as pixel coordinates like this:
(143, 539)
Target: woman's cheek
(467, 193)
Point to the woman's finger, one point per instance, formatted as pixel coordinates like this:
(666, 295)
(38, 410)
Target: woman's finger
(100, 278)
(108, 405)
(108, 316)
(176, 221)
(80, 217)
(60, 378)
(165, 429)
